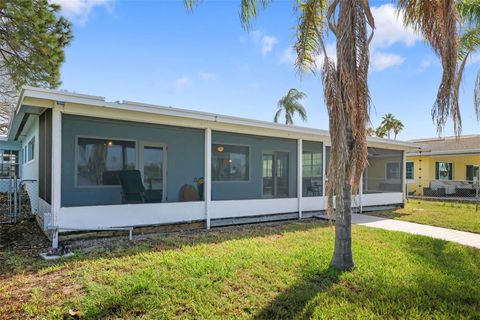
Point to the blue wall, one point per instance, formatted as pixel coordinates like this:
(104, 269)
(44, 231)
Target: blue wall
(185, 156)
(252, 189)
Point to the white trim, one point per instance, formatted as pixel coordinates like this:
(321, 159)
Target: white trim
(254, 207)
(128, 215)
(207, 186)
(73, 100)
(380, 199)
(299, 176)
(446, 152)
(56, 193)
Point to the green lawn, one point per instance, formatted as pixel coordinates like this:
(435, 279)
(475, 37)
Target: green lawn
(273, 271)
(453, 215)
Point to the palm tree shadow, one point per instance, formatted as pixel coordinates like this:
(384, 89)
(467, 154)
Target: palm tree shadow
(295, 301)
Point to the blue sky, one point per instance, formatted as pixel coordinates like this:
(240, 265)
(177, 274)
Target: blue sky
(156, 52)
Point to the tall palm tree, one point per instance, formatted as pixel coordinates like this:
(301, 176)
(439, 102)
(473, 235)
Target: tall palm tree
(397, 127)
(345, 83)
(290, 104)
(387, 123)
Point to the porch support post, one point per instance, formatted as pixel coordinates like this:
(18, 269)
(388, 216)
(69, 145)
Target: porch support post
(360, 193)
(404, 177)
(56, 170)
(324, 169)
(299, 176)
(207, 191)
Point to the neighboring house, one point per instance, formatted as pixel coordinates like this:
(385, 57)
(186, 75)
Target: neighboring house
(449, 163)
(78, 147)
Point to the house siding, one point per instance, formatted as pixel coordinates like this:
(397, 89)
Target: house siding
(252, 189)
(185, 156)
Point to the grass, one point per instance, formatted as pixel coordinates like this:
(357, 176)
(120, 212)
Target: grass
(453, 215)
(272, 271)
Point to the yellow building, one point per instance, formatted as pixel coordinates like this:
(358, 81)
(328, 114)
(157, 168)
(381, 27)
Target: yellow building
(446, 166)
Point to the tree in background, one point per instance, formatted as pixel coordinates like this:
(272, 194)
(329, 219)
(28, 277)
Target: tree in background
(290, 104)
(397, 127)
(387, 123)
(380, 132)
(32, 40)
(346, 87)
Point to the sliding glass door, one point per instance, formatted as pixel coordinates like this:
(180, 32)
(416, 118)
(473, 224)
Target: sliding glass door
(275, 174)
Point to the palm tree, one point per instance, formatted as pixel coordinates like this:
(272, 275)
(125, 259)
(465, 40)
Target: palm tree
(381, 132)
(290, 104)
(345, 83)
(387, 123)
(396, 128)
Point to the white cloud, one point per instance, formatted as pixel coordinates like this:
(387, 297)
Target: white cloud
(389, 28)
(267, 44)
(79, 10)
(381, 61)
(474, 58)
(288, 56)
(206, 76)
(181, 84)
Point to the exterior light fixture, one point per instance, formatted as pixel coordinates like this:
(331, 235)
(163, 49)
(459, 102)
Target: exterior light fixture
(220, 149)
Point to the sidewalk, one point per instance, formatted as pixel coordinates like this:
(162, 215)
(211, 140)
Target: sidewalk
(465, 238)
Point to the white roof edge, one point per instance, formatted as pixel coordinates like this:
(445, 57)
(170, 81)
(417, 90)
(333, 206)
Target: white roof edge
(443, 152)
(64, 96)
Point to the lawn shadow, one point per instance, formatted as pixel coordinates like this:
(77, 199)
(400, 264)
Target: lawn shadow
(295, 301)
(26, 259)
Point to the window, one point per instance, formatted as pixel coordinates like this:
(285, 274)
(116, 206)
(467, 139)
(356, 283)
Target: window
(98, 160)
(443, 171)
(409, 170)
(312, 168)
(393, 171)
(230, 163)
(472, 173)
(30, 150)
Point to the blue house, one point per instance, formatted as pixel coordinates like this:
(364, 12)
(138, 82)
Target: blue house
(202, 167)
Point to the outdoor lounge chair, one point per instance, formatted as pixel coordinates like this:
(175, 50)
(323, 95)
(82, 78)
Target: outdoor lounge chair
(133, 190)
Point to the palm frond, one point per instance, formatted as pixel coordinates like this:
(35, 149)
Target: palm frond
(249, 11)
(191, 4)
(469, 11)
(277, 115)
(311, 24)
(468, 42)
(437, 22)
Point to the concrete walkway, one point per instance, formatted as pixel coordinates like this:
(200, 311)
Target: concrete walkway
(465, 238)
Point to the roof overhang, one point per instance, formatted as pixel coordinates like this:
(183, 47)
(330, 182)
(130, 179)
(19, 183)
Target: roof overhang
(445, 152)
(35, 100)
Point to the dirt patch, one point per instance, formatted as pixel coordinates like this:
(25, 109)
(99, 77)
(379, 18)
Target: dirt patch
(23, 238)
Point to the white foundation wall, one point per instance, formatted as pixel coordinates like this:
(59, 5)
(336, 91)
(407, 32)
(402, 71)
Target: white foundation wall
(128, 215)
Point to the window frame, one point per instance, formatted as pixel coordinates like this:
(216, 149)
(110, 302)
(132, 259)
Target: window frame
(399, 163)
(31, 142)
(437, 171)
(101, 186)
(249, 162)
(413, 171)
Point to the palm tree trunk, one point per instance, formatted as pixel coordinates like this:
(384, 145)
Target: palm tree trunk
(342, 254)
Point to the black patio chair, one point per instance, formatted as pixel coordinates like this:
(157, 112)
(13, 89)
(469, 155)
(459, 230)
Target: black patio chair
(133, 190)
